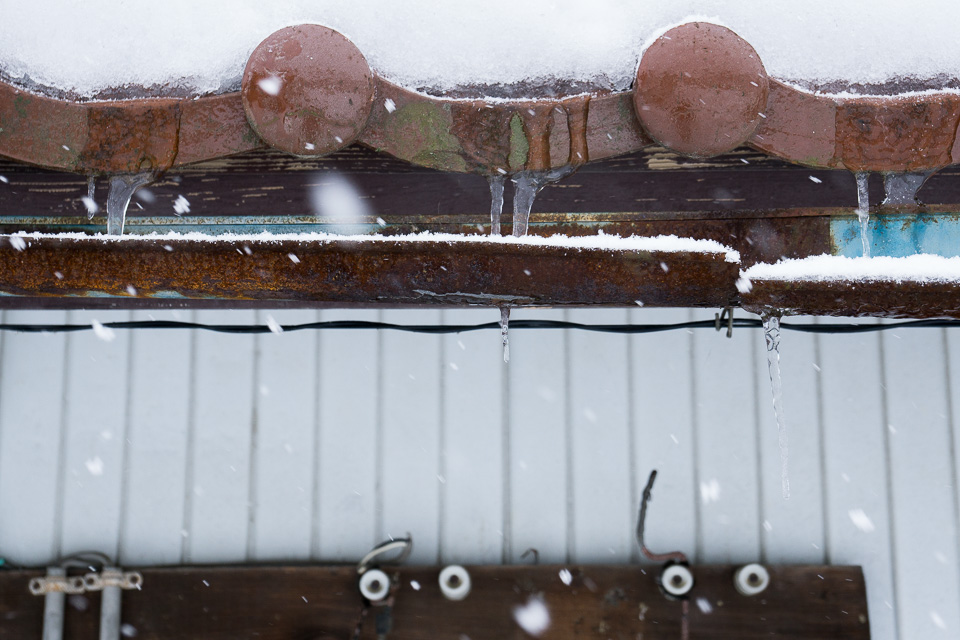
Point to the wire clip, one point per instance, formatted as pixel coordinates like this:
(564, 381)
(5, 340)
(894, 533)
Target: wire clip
(718, 318)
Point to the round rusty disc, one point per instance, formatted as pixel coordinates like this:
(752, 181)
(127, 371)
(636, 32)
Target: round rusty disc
(701, 89)
(307, 90)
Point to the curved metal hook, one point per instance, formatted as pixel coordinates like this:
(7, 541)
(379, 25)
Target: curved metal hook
(404, 544)
(677, 556)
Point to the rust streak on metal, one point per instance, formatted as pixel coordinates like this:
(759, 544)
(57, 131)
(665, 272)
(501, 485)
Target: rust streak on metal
(537, 124)
(577, 109)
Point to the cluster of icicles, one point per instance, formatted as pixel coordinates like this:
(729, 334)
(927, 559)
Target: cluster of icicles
(900, 188)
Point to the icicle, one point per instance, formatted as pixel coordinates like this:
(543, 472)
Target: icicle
(527, 185)
(122, 188)
(771, 335)
(505, 332)
(863, 209)
(901, 187)
(496, 203)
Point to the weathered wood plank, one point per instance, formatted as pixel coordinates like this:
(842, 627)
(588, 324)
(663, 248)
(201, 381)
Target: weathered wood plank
(622, 602)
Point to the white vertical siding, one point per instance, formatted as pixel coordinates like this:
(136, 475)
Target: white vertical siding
(168, 446)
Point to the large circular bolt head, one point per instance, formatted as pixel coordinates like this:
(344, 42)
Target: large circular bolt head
(454, 582)
(751, 579)
(374, 585)
(307, 90)
(700, 90)
(677, 580)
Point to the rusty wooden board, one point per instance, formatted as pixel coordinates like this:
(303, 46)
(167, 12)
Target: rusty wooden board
(350, 272)
(610, 602)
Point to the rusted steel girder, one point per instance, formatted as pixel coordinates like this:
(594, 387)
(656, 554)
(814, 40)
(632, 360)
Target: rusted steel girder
(53, 271)
(700, 90)
(880, 299)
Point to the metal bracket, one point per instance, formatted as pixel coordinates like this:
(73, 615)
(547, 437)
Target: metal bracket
(56, 585)
(718, 318)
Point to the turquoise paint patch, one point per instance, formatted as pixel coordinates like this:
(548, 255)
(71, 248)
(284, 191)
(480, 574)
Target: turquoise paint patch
(898, 235)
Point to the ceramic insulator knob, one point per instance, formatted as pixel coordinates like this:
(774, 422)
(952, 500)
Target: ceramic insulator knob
(454, 582)
(700, 89)
(677, 580)
(374, 585)
(307, 90)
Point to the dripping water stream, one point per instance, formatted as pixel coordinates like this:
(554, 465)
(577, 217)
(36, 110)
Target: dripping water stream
(771, 335)
(505, 332)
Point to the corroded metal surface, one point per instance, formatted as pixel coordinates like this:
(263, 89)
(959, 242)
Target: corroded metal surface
(700, 89)
(695, 91)
(97, 138)
(854, 299)
(345, 272)
(308, 90)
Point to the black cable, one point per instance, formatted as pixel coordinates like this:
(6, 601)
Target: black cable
(742, 323)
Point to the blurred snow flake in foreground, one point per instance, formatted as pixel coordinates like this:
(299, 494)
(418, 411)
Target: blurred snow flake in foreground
(704, 605)
(389, 105)
(336, 198)
(937, 620)
(273, 325)
(104, 333)
(270, 85)
(18, 243)
(533, 617)
(815, 180)
(91, 205)
(744, 285)
(861, 520)
(181, 205)
(566, 577)
(95, 466)
(127, 630)
(710, 491)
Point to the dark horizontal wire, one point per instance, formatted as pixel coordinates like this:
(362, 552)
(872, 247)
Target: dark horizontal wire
(741, 323)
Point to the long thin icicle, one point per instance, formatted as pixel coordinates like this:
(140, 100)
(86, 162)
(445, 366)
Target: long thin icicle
(771, 335)
(863, 209)
(496, 203)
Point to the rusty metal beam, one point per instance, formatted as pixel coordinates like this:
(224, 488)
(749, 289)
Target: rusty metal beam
(854, 299)
(318, 273)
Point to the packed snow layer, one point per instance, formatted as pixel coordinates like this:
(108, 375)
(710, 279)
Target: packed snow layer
(916, 268)
(88, 47)
(670, 244)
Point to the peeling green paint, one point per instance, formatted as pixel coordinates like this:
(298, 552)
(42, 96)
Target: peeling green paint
(420, 132)
(519, 146)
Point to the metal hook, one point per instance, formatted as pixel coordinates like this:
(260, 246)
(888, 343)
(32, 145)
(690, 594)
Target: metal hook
(404, 544)
(677, 556)
(725, 314)
(532, 551)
